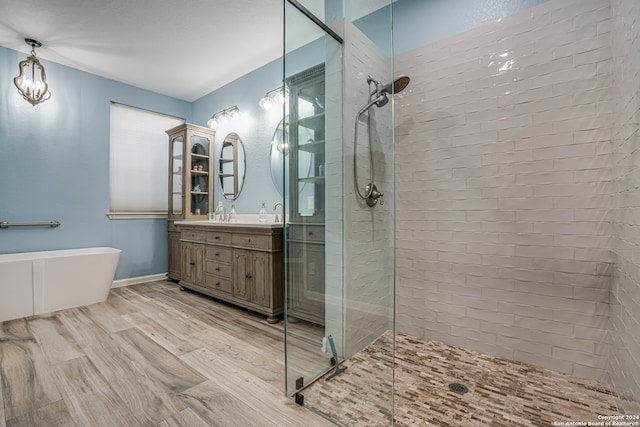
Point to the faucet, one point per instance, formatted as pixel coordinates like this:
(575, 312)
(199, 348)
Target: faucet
(221, 212)
(275, 209)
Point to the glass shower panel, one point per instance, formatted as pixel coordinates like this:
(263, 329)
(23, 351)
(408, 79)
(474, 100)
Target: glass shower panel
(340, 250)
(313, 199)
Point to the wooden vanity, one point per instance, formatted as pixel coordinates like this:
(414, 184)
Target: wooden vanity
(238, 263)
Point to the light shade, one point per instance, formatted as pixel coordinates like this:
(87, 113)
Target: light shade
(265, 103)
(32, 80)
(212, 123)
(223, 116)
(277, 95)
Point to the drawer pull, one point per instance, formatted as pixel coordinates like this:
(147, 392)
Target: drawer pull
(192, 263)
(217, 269)
(218, 284)
(247, 276)
(217, 254)
(249, 240)
(311, 233)
(217, 237)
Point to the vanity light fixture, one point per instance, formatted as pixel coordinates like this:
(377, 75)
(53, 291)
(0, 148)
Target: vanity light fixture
(223, 116)
(32, 80)
(276, 95)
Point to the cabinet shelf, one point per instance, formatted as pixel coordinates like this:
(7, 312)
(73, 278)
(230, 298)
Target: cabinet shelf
(199, 172)
(315, 147)
(199, 156)
(315, 122)
(199, 193)
(312, 179)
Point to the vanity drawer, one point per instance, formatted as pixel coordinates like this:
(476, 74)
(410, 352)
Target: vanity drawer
(218, 237)
(251, 241)
(219, 253)
(198, 236)
(306, 233)
(219, 268)
(223, 284)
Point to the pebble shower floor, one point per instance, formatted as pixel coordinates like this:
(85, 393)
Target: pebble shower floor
(501, 392)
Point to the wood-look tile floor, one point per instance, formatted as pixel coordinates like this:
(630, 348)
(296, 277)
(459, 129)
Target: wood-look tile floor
(151, 355)
(502, 393)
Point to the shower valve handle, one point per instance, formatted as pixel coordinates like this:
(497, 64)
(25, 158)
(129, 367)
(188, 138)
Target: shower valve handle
(374, 195)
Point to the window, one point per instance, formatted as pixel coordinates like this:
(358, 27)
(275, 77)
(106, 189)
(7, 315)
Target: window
(138, 162)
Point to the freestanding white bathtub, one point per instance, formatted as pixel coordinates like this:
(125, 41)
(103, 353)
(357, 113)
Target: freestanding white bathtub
(42, 282)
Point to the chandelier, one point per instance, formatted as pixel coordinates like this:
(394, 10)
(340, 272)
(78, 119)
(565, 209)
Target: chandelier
(32, 81)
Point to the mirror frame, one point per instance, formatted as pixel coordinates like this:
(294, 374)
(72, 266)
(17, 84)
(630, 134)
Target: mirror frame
(239, 165)
(279, 148)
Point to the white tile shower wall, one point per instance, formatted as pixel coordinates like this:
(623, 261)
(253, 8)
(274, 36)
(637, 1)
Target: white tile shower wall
(369, 243)
(505, 180)
(625, 296)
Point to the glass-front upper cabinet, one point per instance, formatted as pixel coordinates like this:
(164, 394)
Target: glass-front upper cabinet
(190, 172)
(307, 162)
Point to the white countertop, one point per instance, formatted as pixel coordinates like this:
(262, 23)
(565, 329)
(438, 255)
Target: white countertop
(231, 224)
(243, 220)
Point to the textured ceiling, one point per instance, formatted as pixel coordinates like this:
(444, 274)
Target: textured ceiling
(181, 48)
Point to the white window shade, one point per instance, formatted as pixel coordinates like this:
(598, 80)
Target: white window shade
(138, 162)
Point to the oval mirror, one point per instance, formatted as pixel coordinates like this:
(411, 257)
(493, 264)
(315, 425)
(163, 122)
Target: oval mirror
(232, 166)
(278, 151)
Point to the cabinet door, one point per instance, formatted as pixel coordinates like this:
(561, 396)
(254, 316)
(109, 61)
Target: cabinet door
(241, 274)
(176, 165)
(193, 263)
(188, 262)
(175, 255)
(200, 177)
(261, 276)
(307, 146)
(198, 275)
(305, 282)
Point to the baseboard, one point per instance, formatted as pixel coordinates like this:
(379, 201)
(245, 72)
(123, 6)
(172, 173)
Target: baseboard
(135, 280)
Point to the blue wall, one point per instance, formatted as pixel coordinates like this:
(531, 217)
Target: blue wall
(420, 22)
(54, 165)
(255, 128)
(54, 156)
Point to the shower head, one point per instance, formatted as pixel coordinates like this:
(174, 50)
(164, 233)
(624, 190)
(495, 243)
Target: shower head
(380, 96)
(399, 84)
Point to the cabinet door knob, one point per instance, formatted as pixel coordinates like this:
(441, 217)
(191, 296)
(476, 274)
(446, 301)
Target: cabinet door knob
(192, 263)
(217, 237)
(249, 240)
(218, 284)
(217, 254)
(311, 233)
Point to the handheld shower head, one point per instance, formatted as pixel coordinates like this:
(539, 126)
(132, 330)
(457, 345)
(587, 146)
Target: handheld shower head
(380, 97)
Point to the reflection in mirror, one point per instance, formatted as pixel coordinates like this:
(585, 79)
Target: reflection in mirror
(279, 146)
(232, 166)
